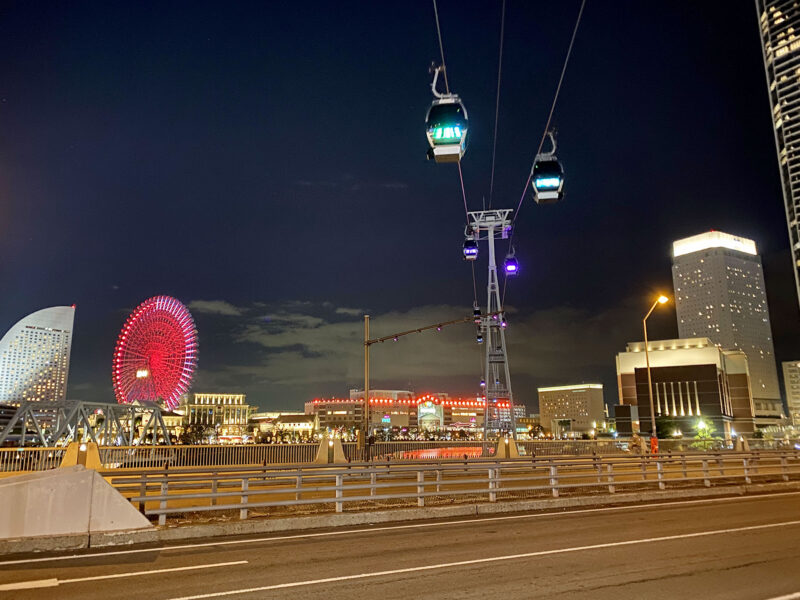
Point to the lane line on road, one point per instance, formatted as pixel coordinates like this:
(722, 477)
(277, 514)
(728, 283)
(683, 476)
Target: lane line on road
(628, 508)
(41, 583)
(490, 559)
(794, 596)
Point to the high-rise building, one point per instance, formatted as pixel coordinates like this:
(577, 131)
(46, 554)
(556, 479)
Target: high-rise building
(571, 408)
(34, 357)
(779, 25)
(720, 294)
(791, 383)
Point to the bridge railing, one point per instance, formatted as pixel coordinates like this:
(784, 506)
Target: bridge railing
(30, 459)
(257, 491)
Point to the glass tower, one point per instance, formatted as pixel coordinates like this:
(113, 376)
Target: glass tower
(779, 27)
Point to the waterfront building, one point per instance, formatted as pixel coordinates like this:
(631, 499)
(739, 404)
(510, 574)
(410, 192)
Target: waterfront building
(571, 409)
(226, 415)
(720, 295)
(34, 357)
(791, 383)
(693, 380)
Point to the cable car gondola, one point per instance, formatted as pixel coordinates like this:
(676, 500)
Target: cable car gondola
(511, 264)
(446, 126)
(547, 177)
(470, 249)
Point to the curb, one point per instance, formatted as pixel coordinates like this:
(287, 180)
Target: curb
(258, 526)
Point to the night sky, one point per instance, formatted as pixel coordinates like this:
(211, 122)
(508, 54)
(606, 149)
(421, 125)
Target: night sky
(265, 164)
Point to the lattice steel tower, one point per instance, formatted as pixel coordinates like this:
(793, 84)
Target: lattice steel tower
(496, 383)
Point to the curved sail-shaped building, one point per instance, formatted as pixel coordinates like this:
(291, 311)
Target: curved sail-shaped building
(34, 357)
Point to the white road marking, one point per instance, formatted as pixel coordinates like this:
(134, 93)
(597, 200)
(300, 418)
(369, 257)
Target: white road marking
(41, 583)
(490, 559)
(628, 508)
(794, 596)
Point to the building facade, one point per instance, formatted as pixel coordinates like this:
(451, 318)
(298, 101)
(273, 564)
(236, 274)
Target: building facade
(692, 379)
(779, 27)
(227, 414)
(34, 357)
(791, 383)
(720, 294)
(571, 408)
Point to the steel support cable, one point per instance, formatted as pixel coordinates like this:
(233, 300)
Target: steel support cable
(497, 100)
(544, 133)
(460, 173)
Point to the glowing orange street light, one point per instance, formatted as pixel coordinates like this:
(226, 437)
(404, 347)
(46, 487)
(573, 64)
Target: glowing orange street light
(653, 435)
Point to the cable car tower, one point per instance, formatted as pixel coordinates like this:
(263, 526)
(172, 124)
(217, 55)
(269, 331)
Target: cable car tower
(496, 383)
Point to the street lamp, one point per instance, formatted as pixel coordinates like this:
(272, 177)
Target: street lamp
(653, 435)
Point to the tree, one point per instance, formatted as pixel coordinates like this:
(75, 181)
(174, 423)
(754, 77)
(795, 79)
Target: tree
(665, 427)
(704, 437)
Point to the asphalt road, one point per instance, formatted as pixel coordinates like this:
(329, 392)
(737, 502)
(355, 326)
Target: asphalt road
(712, 549)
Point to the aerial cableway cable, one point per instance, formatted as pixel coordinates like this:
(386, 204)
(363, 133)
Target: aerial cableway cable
(547, 131)
(497, 99)
(460, 172)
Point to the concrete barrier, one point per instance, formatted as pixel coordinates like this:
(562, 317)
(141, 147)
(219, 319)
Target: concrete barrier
(64, 502)
(330, 451)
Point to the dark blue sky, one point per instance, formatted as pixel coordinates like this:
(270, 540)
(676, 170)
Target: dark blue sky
(265, 164)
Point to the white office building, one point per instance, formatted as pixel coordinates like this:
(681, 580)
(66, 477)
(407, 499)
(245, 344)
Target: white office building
(34, 357)
(570, 409)
(720, 294)
(791, 382)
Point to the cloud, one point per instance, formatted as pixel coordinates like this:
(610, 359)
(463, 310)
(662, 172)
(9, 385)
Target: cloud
(287, 353)
(217, 307)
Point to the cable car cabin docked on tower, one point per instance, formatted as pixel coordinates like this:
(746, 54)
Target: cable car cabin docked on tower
(547, 180)
(447, 129)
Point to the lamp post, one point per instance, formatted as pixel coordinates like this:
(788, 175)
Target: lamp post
(653, 434)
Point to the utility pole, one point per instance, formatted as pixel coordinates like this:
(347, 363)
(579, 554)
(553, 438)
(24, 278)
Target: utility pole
(366, 381)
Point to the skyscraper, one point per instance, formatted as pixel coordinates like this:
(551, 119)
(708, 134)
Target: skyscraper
(720, 294)
(34, 357)
(791, 383)
(779, 25)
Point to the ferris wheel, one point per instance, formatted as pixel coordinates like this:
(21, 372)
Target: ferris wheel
(156, 353)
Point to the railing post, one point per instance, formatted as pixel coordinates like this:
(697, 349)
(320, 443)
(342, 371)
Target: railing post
(162, 518)
(644, 468)
(746, 466)
(373, 479)
(706, 480)
(784, 473)
(214, 487)
(610, 470)
(339, 491)
(143, 492)
(721, 465)
(599, 466)
(438, 479)
(554, 479)
(245, 487)
(683, 466)
(298, 484)
(420, 488)
(660, 473)
(492, 493)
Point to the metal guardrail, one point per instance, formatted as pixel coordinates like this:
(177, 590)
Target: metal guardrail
(30, 459)
(172, 492)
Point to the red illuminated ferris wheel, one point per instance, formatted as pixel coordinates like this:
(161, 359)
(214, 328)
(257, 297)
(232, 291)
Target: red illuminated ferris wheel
(156, 353)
